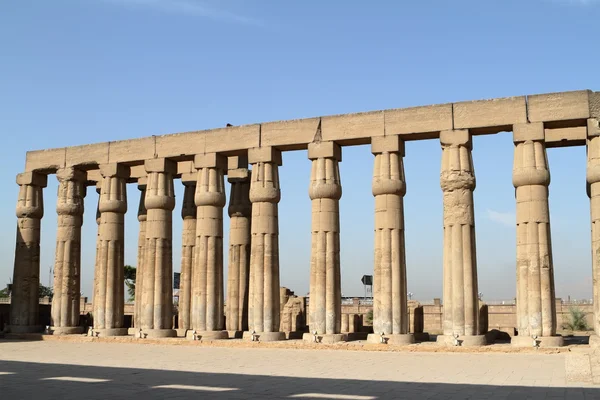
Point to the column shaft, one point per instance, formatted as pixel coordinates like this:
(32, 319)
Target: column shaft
(24, 308)
(139, 271)
(188, 241)
(67, 266)
(593, 181)
(325, 191)
(457, 179)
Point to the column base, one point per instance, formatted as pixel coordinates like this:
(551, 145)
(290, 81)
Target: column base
(594, 340)
(465, 341)
(66, 330)
(235, 334)
(398, 339)
(159, 333)
(111, 332)
(207, 335)
(421, 337)
(325, 338)
(543, 341)
(181, 332)
(265, 336)
(25, 328)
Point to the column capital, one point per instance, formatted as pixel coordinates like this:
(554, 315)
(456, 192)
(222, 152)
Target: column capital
(115, 170)
(324, 150)
(264, 154)
(163, 165)
(593, 128)
(71, 174)
(210, 160)
(32, 179)
(457, 137)
(387, 144)
(528, 132)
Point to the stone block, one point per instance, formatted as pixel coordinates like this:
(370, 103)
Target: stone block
(71, 174)
(418, 119)
(41, 160)
(234, 138)
(264, 154)
(131, 150)
(594, 101)
(237, 162)
(90, 154)
(388, 144)
(33, 179)
(142, 182)
(210, 160)
(189, 178)
(138, 171)
(352, 126)
(175, 145)
(455, 137)
(558, 106)
(593, 127)
(289, 134)
(525, 132)
(490, 113)
(114, 169)
(161, 165)
(185, 167)
(565, 135)
(324, 150)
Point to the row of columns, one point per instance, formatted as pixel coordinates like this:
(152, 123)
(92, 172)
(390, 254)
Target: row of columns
(253, 285)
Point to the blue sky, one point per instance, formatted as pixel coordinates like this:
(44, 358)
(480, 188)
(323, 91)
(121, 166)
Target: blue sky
(85, 71)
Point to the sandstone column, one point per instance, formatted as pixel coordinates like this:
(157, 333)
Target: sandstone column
(325, 288)
(139, 270)
(390, 312)
(188, 241)
(238, 277)
(593, 189)
(24, 307)
(207, 273)
(265, 194)
(457, 179)
(96, 295)
(67, 265)
(157, 290)
(536, 308)
(109, 284)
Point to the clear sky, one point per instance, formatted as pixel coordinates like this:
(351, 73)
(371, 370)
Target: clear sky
(83, 71)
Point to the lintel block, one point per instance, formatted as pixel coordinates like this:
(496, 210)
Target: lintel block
(33, 179)
(390, 144)
(210, 160)
(114, 169)
(525, 132)
(558, 106)
(324, 150)
(161, 165)
(455, 137)
(264, 154)
(488, 113)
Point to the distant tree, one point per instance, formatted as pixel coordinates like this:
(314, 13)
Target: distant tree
(4, 293)
(46, 291)
(576, 320)
(129, 273)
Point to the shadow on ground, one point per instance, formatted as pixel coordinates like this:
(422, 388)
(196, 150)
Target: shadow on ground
(22, 380)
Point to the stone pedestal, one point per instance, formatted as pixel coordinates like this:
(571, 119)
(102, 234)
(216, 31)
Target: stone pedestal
(390, 311)
(264, 310)
(24, 307)
(593, 190)
(109, 283)
(400, 339)
(188, 244)
(240, 211)
(207, 280)
(207, 335)
(464, 341)
(139, 271)
(328, 338)
(457, 180)
(536, 308)
(67, 266)
(325, 192)
(157, 295)
(544, 341)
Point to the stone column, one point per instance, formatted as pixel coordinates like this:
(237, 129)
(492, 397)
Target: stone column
(265, 194)
(139, 270)
(24, 307)
(67, 265)
(593, 190)
(188, 241)
(157, 290)
(390, 312)
(238, 277)
(536, 308)
(207, 280)
(109, 284)
(325, 288)
(96, 295)
(457, 179)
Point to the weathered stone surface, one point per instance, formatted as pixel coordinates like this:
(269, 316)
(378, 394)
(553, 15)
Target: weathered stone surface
(558, 106)
(418, 119)
(490, 113)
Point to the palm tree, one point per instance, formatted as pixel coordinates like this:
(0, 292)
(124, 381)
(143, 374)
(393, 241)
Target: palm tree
(129, 273)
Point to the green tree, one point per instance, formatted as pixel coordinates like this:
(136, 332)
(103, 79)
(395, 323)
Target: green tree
(129, 273)
(46, 291)
(4, 293)
(576, 321)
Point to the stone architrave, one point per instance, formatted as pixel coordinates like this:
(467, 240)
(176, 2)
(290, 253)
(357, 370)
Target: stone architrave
(157, 290)
(188, 241)
(593, 189)
(325, 287)
(457, 180)
(536, 308)
(109, 284)
(390, 312)
(139, 270)
(67, 265)
(24, 307)
(265, 193)
(238, 277)
(207, 272)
